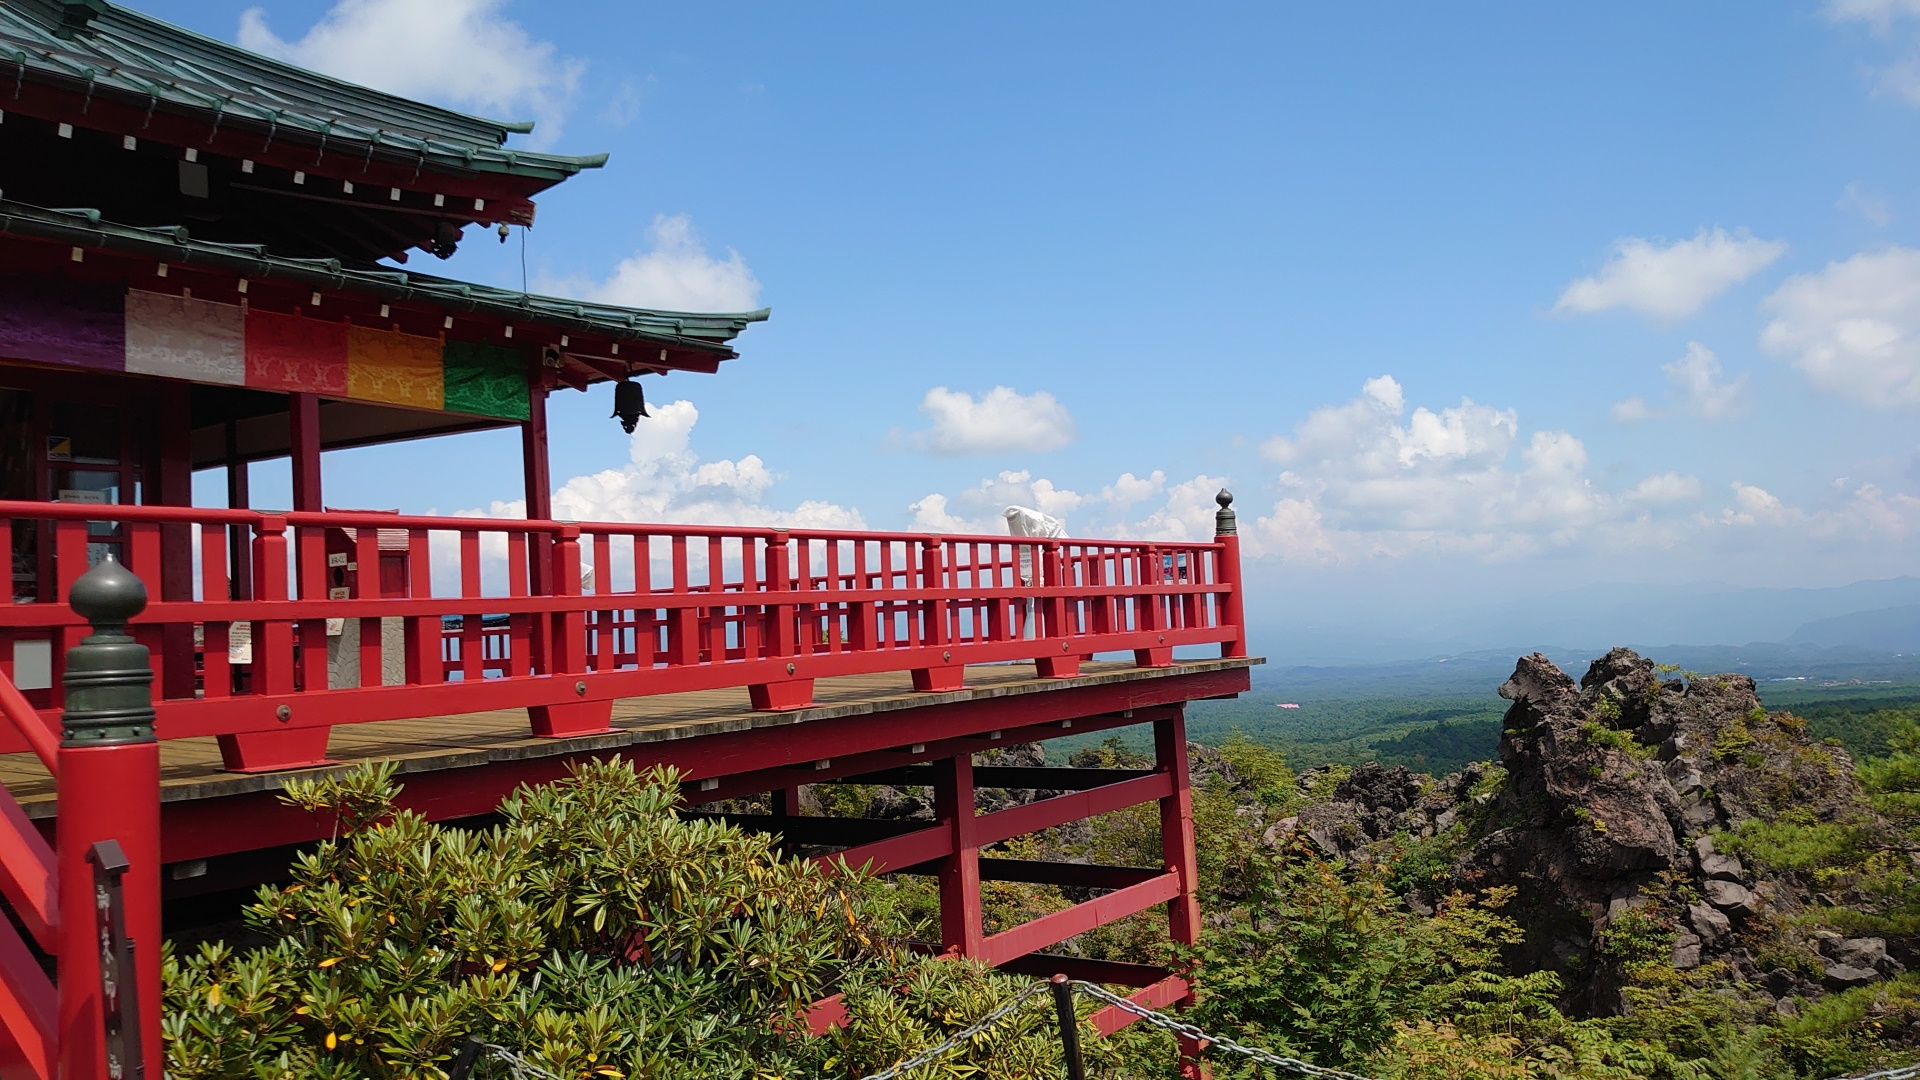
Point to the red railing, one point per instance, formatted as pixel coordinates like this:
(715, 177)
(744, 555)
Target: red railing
(353, 617)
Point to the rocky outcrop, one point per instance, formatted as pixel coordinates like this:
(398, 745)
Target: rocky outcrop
(1613, 788)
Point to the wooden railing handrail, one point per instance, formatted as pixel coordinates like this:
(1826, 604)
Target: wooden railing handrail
(368, 519)
(267, 623)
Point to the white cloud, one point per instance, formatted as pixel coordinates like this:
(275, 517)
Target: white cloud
(979, 506)
(1674, 280)
(678, 274)
(623, 108)
(1900, 79)
(1881, 13)
(1854, 327)
(1868, 204)
(1695, 387)
(1368, 479)
(1179, 512)
(1755, 505)
(1865, 514)
(461, 53)
(1001, 420)
(1696, 380)
(1632, 410)
(1667, 488)
(665, 481)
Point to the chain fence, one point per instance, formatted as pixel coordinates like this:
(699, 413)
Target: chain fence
(522, 1069)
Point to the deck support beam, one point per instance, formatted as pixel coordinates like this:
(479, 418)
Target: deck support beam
(961, 925)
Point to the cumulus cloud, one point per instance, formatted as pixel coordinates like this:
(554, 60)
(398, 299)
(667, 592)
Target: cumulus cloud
(1632, 410)
(1180, 511)
(665, 481)
(1667, 488)
(1853, 328)
(1697, 383)
(1900, 79)
(1696, 386)
(1670, 281)
(677, 274)
(1881, 13)
(1368, 478)
(1868, 204)
(461, 53)
(998, 421)
(1862, 513)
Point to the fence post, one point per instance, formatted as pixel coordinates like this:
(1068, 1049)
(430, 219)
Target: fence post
(567, 652)
(1232, 607)
(109, 791)
(1069, 1028)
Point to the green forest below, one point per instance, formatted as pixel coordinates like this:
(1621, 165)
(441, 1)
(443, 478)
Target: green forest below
(596, 932)
(1438, 723)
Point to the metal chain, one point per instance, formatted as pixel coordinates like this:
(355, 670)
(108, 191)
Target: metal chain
(1206, 1041)
(1904, 1072)
(520, 1067)
(523, 1069)
(958, 1037)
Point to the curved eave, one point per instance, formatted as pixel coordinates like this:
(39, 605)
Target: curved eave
(708, 333)
(141, 60)
(392, 147)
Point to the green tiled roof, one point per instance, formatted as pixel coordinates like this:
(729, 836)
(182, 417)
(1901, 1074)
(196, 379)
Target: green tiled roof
(107, 49)
(86, 229)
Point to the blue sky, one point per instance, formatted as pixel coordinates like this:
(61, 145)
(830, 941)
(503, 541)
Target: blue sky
(1518, 297)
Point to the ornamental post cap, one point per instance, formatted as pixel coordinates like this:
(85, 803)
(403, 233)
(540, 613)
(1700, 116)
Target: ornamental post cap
(1224, 521)
(108, 595)
(109, 676)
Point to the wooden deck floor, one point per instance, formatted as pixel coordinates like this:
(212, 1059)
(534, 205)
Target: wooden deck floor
(191, 769)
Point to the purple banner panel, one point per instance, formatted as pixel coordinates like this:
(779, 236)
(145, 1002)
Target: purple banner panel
(56, 321)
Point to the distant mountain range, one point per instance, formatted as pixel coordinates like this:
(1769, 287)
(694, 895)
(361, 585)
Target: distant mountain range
(1894, 629)
(1873, 615)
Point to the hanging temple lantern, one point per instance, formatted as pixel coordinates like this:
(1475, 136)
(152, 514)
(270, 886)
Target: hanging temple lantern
(629, 403)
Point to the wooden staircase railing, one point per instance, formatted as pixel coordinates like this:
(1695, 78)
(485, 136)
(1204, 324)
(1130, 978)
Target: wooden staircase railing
(28, 876)
(86, 1023)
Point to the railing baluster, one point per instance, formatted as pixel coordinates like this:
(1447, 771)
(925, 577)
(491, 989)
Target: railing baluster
(370, 582)
(683, 643)
(310, 561)
(752, 611)
(716, 644)
(646, 617)
(472, 623)
(216, 676)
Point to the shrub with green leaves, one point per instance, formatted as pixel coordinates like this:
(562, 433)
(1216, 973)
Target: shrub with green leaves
(594, 931)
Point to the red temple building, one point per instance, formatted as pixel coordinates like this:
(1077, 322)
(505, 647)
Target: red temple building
(191, 277)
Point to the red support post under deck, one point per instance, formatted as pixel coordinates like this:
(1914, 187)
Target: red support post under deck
(961, 923)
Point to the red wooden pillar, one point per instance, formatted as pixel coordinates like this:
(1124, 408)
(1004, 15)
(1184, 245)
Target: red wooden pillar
(174, 487)
(795, 691)
(567, 653)
(239, 550)
(109, 791)
(533, 457)
(1177, 851)
(961, 926)
(1232, 605)
(937, 611)
(1050, 564)
(538, 487)
(303, 430)
(273, 671)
